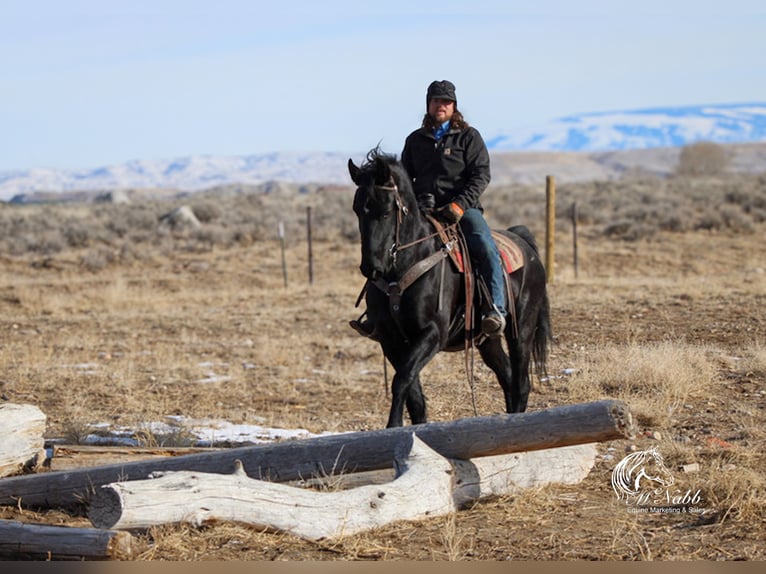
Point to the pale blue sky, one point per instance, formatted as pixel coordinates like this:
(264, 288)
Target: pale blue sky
(87, 83)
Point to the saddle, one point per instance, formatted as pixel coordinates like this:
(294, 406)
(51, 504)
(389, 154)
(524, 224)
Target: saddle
(512, 259)
(510, 253)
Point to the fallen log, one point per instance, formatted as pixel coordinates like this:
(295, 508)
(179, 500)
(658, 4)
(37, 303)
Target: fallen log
(22, 540)
(67, 456)
(343, 453)
(427, 485)
(22, 428)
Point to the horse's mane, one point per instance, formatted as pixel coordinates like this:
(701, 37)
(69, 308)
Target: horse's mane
(376, 155)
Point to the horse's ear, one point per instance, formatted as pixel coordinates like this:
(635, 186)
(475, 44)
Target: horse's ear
(353, 171)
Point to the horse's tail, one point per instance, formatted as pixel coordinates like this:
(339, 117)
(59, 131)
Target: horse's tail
(543, 329)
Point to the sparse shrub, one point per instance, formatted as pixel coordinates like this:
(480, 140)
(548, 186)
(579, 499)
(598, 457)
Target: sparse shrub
(176, 436)
(76, 236)
(207, 211)
(137, 217)
(618, 228)
(48, 242)
(97, 259)
(702, 159)
(735, 219)
(757, 214)
(208, 237)
(710, 220)
(118, 227)
(754, 359)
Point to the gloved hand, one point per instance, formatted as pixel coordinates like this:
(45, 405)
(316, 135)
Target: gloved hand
(452, 212)
(426, 202)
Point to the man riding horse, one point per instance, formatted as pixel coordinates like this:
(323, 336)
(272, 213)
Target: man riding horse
(448, 163)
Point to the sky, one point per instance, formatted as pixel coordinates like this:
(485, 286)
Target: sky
(90, 83)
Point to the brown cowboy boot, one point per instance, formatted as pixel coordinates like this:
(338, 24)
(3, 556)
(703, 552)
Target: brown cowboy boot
(493, 323)
(364, 327)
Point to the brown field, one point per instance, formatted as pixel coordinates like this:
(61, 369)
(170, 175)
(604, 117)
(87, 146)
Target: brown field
(669, 319)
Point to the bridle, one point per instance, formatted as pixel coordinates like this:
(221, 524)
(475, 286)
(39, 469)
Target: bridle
(401, 211)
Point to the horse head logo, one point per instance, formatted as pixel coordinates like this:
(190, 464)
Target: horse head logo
(640, 472)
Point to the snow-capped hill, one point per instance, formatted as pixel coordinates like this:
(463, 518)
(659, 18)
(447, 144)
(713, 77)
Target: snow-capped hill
(188, 173)
(640, 129)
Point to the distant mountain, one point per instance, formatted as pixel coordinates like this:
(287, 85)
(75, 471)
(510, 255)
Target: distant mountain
(639, 129)
(184, 174)
(593, 133)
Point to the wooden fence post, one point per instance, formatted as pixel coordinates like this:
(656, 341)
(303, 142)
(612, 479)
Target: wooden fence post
(281, 232)
(574, 239)
(311, 250)
(550, 225)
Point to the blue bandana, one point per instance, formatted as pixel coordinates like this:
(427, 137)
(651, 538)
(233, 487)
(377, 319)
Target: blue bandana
(441, 130)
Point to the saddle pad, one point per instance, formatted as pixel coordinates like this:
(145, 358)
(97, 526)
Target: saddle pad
(511, 254)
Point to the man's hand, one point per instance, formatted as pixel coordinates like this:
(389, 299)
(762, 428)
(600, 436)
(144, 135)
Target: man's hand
(426, 202)
(452, 212)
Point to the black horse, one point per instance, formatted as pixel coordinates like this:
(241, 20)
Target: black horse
(416, 300)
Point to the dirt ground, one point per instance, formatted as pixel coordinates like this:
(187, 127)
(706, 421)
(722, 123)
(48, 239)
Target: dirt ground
(293, 362)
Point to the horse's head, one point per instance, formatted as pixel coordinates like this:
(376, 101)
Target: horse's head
(381, 202)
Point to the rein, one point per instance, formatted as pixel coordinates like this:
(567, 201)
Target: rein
(401, 212)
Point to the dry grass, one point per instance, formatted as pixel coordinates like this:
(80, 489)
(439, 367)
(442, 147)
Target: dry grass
(656, 379)
(753, 359)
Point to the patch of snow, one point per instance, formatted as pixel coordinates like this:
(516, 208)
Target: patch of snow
(198, 432)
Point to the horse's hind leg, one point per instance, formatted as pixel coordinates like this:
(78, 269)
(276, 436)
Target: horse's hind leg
(494, 357)
(520, 351)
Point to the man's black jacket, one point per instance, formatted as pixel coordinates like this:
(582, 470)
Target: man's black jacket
(456, 168)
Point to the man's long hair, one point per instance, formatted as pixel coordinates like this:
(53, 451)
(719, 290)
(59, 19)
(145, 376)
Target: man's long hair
(458, 121)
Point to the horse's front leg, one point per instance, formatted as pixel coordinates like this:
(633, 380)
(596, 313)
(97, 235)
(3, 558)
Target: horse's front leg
(406, 388)
(416, 403)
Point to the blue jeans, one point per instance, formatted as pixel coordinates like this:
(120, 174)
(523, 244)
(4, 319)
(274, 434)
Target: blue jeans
(484, 254)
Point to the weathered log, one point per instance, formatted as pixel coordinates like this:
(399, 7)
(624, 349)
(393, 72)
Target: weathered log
(67, 457)
(22, 428)
(22, 540)
(427, 485)
(351, 452)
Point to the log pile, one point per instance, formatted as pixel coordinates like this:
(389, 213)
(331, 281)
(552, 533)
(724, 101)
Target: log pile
(462, 439)
(396, 474)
